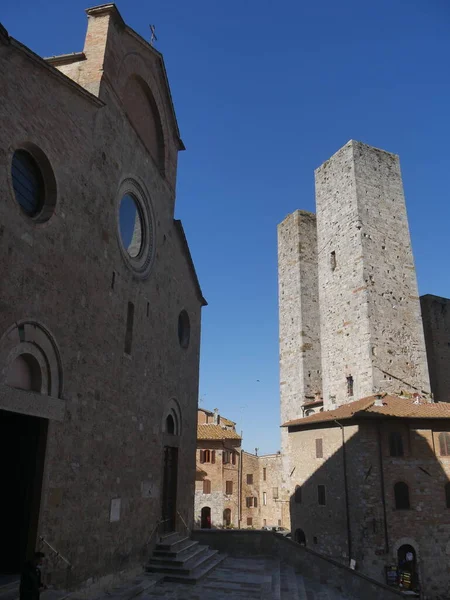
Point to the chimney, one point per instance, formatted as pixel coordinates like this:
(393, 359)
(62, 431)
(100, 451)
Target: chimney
(216, 416)
(378, 400)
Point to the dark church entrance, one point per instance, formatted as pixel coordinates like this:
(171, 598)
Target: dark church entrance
(169, 496)
(22, 452)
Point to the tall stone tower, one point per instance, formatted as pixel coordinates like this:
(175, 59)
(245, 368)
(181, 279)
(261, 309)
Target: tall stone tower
(300, 376)
(370, 320)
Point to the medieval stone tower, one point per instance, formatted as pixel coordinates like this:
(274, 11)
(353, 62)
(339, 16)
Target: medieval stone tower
(350, 318)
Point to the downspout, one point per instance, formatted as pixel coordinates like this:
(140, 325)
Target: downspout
(383, 497)
(240, 489)
(347, 507)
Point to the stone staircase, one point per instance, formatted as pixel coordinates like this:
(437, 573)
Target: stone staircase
(178, 558)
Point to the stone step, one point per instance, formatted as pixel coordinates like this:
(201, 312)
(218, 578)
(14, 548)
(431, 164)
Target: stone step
(199, 572)
(172, 543)
(184, 546)
(289, 587)
(181, 559)
(185, 568)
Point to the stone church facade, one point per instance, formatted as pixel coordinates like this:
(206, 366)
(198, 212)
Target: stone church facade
(361, 419)
(100, 306)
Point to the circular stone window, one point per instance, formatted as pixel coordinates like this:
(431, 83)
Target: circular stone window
(33, 183)
(135, 227)
(184, 329)
(130, 224)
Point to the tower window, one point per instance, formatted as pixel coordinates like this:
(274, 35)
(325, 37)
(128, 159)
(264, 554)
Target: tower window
(444, 443)
(319, 448)
(321, 498)
(349, 385)
(395, 443)
(333, 260)
(401, 493)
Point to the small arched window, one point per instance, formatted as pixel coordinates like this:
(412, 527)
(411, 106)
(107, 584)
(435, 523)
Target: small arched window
(401, 493)
(170, 425)
(395, 443)
(444, 443)
(298, 494)
(447, 495)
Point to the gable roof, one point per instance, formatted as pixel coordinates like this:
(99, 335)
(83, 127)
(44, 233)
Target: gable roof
(387, 406)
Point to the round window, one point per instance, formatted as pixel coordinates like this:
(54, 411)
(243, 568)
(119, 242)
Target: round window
(130, 225)
(184, 329)
(135, 227)
(28, 183)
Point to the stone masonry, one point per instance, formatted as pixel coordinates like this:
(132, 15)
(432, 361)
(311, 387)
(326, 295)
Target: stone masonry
(92, 344)
(370, 319)
(436, 323)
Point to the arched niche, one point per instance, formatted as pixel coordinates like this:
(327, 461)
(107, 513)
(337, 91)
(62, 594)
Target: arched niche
(30, 360)
(143, 113)
(172, 423)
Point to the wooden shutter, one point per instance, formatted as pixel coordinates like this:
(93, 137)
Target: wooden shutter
(255, 502)
(319, 448)
(213, 456)
(206, 486)
(202, 456)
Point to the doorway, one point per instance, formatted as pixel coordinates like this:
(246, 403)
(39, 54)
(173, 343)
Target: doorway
(407, 566)
(169, 496)
(300, 537)
(22, 452)
(206, 518)
(227, 517)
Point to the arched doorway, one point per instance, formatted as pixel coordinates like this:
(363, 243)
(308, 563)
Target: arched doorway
(407, 566)
(300, 537)
(206, 518)
(227, 517)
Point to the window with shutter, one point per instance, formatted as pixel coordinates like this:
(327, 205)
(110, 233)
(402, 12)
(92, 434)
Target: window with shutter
(444, 443)
(395, 443)
(202, 456)
(229, 488)
(264, 474)
(265, 498)
(213, 457)
(249, 478)
(319, 448)
(206, 486)
(275, 493)
(249, 521)
(255, 502)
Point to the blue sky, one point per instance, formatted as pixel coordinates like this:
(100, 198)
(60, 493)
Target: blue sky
(265, 92)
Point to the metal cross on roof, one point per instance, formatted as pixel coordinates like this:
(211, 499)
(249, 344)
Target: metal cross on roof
(153, 37)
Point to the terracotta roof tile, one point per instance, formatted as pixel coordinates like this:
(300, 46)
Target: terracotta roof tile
(215, 432)
(392, 406)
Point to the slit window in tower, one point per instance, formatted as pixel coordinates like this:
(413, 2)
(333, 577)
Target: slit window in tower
(333, 260)
(349, 385)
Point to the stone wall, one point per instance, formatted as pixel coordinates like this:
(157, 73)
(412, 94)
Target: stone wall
(70, 275)
(371, 329)
(436, 323)
(273, 511)
(251, 516)
(300, 367)
(375, 529)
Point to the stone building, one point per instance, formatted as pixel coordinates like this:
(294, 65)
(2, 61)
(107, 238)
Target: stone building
(234, 488)
(351, 331)
(217, 481)
(100, 306)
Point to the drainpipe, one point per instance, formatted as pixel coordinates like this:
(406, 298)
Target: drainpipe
(347, 508)
(240, 489)
(383, 497)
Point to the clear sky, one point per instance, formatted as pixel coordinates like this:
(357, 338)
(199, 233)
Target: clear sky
(265, 92)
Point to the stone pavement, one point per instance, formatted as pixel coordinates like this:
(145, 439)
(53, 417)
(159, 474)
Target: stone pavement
(246, 579)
